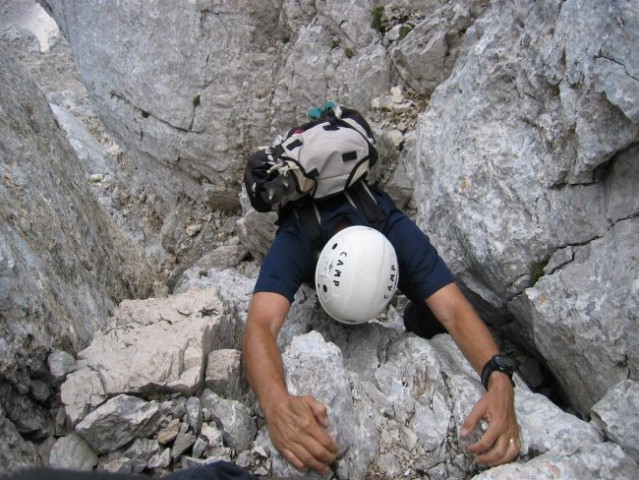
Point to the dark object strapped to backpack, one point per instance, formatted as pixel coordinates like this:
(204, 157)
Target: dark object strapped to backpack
(315, 163)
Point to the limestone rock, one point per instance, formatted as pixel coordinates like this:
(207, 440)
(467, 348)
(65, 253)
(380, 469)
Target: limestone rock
(257, 230)
(194, 414)
(199, 447)
(186, 124)
(82, 392)
(168, 433)
(60, 364)
(82, 263)
(85, 145)
(15, 451)
(140, 453)
(226, 256)
(616, 414)
(161, 459)
(119, 421)
(162, 343)
(213, 435)
(562, 303)
(545, 428)
(72, 453)
(183, 442)
(309, 361)
(233, 418)
(504, 177)
(30, 418)
(224, 374)
(115, 464)
(605, 461)
(429, 50)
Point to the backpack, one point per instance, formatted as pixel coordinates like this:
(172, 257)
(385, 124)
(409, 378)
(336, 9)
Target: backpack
(315, 163)
(319, 159)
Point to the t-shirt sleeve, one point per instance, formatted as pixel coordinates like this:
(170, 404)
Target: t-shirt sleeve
(288, 263)
(421, 270)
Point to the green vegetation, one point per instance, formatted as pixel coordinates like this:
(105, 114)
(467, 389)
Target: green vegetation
(377, 19)
(349, 52)
(145, 114)
(196, 100)
(403, 31)
(537, 270)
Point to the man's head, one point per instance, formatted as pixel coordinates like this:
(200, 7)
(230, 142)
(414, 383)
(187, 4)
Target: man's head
(356, 275)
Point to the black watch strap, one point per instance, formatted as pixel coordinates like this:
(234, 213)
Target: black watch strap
(501, 363)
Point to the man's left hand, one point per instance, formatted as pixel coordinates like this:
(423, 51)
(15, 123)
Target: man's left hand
(500, 443)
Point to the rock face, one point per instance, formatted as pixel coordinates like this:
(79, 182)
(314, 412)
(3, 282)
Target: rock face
(395, 402)
(606, 413)
(521, 161)
(509, 128)
(525, 169)
(190, 92)
(63, 263)
(150, 357)
(184, 94)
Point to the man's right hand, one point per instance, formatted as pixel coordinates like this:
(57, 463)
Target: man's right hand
(297, 426)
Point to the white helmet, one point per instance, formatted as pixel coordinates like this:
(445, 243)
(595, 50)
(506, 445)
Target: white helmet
(356, 275)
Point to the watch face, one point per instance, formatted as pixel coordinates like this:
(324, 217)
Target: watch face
(506, 363)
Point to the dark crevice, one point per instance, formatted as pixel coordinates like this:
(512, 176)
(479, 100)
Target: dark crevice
(618, 63)
(600, 173)
(603, 170)
(145, 114)
(622, 219)
(537, 269)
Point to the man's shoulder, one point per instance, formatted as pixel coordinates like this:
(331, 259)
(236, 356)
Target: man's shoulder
(291, 240)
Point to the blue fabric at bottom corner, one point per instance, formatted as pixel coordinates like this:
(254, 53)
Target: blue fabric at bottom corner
(220, 470)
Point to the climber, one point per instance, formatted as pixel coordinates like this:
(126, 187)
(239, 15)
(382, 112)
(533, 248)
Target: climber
(297, 424)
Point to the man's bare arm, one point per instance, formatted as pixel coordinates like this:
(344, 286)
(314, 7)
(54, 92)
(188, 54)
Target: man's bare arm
(296, 424)
(262, 357)
(500, 443)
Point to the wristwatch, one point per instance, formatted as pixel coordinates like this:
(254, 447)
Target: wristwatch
(500, 362)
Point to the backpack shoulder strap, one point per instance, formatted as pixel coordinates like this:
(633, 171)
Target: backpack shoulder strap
(359, 195)
(311, 219)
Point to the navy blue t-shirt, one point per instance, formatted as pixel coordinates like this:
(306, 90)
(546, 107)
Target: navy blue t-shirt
(290, 260)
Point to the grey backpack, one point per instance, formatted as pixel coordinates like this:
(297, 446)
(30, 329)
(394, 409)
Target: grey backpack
(320, 159)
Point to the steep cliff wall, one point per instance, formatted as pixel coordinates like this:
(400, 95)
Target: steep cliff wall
(526, 168)
(63, 263)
